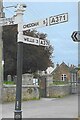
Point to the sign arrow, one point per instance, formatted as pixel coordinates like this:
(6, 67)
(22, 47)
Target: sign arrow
(76, 36)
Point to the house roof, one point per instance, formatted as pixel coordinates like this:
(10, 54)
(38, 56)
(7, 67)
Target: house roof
(71, 68)
(58, 66)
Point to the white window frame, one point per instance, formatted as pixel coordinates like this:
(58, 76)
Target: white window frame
(63, 77)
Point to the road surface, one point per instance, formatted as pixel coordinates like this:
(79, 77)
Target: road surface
(66, 107)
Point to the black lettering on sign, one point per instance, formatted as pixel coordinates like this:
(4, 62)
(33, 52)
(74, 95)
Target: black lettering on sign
(31, 25)
(37, 41)
(11, 22)
(29, 40)
(45, 22)
(64, 17)
(42, 42)
(58, 19)
(24, 39)
(53, 20)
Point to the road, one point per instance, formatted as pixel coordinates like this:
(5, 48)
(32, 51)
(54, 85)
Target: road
(66, 107)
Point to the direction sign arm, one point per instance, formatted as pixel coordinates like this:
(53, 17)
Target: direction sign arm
(52, 20)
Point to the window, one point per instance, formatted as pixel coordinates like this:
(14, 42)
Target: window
(35, 81)
(63, 77)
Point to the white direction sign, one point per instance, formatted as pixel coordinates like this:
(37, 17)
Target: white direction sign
(36, 24)
(30, 40)
(58, 19)
(7, 21)
(33, 41)
(52, 20)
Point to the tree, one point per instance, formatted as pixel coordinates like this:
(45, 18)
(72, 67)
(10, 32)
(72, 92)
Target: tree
(34, 57)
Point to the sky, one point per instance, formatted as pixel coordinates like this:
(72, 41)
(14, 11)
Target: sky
(59, 35)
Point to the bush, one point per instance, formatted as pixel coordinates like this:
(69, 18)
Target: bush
(9, 82)
(59, 82)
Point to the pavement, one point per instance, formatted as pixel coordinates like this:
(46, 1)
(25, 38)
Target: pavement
(66, 107)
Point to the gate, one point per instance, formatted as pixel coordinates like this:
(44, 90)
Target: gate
(42, 86)
(74, 82)
(74, 87)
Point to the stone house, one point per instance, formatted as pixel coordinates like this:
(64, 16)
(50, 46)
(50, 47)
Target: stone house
(64, 72)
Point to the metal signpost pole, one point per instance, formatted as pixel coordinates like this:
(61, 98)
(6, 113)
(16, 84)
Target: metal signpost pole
(19, 21)
(18, 112)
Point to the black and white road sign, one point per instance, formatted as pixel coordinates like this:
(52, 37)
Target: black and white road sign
(58, 19)
(76, 36)
(36, 24)
(30, 40)
(33, 41)
(52, 20)
(7, 21)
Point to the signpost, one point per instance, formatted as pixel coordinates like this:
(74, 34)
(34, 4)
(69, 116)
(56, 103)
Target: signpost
(18, 19)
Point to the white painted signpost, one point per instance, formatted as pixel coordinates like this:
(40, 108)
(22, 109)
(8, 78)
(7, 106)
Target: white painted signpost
(18, 19)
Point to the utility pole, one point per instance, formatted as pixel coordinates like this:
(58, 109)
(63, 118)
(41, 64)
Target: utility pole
(19, 20)
(1, 12)
(1, 53)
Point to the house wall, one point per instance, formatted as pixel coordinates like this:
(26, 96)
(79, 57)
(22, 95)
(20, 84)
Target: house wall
(78, 73)
(61, 70)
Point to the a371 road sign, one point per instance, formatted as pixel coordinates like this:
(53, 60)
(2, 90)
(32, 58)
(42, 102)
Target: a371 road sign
(52, 20)
(34, 41)
(76, 36)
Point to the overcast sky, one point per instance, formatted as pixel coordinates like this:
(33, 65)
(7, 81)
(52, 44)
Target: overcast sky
(60, 34)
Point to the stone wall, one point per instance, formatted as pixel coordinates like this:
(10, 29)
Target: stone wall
(27, 79)
(29, 92)
(59, 90)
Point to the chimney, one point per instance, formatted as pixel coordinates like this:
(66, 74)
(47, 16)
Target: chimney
(72, 66)
(57, 65)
